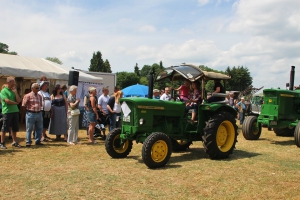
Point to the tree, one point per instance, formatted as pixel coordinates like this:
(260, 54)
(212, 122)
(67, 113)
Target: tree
(144, 81)
(240, 78)
(97, 64)
(145, 70)
(55, 60)
(4, 49)
(125, 79)
(137, 70)
(107, 67)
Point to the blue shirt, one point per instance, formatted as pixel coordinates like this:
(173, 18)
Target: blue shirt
(243, 105)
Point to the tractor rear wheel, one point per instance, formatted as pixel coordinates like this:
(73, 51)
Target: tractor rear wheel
(288, 132)
(114, 147)
(250, 129)
(157, 150)
(180, 145)
(297, 134)
(220, 135)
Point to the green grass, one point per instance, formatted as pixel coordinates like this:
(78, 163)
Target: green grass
(268, 168)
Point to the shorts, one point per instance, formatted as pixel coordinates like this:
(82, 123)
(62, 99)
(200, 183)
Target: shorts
(91, 117)
(10, 119)
(46, 121)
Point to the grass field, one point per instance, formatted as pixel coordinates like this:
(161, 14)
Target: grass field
(265, 169)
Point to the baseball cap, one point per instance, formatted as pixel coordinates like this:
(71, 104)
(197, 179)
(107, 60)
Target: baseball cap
(43, 82)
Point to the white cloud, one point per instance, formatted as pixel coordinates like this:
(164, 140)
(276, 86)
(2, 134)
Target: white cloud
(186, 32)
(147, 28)
(203, 2)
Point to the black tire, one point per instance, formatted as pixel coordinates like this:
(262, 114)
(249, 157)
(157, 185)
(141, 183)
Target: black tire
(285, 132)
(180, 145)
(297, 134)
(114, 147)
(249, 129)
(157, 150)
(220, 135)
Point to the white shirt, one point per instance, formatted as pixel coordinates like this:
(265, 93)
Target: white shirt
(165, 97)
(102, 101)
(117, 108)
(46, 100)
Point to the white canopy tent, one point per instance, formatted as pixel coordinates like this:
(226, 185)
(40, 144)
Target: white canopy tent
(34, 68)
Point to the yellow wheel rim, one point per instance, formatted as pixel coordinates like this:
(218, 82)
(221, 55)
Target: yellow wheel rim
(225, 136)
(254, 129)
(159, 151)
(120, 148)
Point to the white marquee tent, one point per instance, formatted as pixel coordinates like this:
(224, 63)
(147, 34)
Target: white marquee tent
(34, 68)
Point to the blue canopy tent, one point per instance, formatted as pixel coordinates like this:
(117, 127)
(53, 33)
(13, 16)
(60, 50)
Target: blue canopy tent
(135, 91)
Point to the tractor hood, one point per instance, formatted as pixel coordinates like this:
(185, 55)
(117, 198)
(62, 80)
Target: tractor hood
(190, 72)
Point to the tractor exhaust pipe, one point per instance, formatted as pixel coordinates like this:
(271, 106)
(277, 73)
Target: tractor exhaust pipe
(292, 77)
(151, 82)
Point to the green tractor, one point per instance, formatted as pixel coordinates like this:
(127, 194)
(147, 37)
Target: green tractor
(164, 126)
(280, 111)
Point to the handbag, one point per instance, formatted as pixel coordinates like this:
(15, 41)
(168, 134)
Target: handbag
(75, 112)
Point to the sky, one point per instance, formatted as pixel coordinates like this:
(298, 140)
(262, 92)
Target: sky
(262, 35)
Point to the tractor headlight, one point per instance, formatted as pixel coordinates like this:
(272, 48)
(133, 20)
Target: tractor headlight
(142, 121)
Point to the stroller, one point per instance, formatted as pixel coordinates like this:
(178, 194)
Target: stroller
(100, 126)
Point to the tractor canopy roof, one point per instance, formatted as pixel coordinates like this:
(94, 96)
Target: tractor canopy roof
(189, 72)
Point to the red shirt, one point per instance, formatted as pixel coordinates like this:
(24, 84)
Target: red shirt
(32, 102)
(184, 91)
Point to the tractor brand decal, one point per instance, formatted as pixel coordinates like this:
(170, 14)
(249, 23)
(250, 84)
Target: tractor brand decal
(270, 100)
(143, 111)
(287, 95)
(152, 107)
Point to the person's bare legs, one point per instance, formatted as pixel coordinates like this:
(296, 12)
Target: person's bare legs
(2, 137)
(91, 132)
(43, 134)
(14, 136)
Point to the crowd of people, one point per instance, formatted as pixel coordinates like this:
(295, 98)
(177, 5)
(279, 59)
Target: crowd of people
(57, 112)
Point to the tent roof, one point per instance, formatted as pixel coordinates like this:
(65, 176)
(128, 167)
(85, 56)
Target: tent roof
(28, 67)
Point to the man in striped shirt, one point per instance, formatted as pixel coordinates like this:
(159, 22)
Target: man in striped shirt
(33, 104)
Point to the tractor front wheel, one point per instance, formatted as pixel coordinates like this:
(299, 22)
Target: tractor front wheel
(114, 147)
(297, 134)
(180, 145)
(250, 129)
(157, 150)
(220, 135)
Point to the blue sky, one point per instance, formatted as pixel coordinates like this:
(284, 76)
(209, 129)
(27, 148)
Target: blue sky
(261, 35)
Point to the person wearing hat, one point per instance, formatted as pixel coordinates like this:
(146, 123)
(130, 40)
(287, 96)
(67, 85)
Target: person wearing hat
(46, 108)
(241, 109)
(156, 94)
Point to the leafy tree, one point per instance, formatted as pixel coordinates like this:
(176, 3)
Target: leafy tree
(4, 49)
(125, 79)
(240, 78)
(55, 60)
(144, 81)
(107, 67)
(137, 70)
(97, 64)
(145, 70)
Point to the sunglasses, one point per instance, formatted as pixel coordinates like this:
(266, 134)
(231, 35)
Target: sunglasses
(36, 88)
